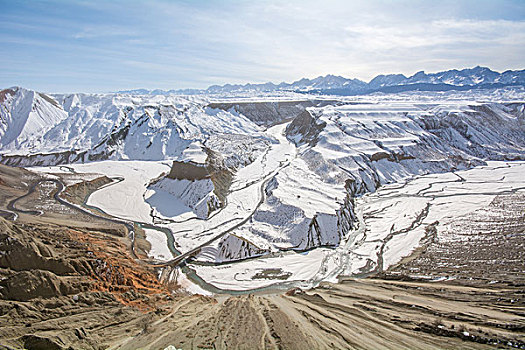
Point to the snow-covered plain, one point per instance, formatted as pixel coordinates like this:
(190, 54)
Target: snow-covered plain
(124, 198)
(438, 198)
(159, 244)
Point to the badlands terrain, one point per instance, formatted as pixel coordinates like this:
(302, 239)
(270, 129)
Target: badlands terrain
(273, 219)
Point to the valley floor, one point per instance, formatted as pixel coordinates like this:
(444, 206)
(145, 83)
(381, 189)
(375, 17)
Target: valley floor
(393, 222)
(74, 283)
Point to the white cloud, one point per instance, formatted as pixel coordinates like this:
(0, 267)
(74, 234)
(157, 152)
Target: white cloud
(288, 42)
(104, 31)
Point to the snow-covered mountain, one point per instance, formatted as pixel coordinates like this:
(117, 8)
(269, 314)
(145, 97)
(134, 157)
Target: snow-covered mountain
(328, 82)
(41, 129)
(26, 113)
(471, 76)
(465, 79)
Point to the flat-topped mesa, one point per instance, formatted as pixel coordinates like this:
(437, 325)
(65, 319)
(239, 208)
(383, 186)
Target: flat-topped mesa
(213, 169)
(189, 171)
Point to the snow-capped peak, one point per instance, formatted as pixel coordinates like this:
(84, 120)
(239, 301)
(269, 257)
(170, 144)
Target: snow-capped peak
(333, 84)
(25, 113)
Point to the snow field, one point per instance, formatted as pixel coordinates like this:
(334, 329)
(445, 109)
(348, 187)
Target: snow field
(124, 197)
(159, 245)
(447, 198)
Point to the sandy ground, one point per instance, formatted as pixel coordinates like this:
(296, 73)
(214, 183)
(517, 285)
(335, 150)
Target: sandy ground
(354, 314)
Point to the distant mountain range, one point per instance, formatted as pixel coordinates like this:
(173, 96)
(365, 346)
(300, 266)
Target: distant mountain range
(465, 79)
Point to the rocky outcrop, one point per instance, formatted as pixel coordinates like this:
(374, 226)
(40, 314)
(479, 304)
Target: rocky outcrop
(392, 157)
(329, 229)
(6, 93)
(27, 285)
(188, 171)
(323, 231)
(56, 158)
(220, 174)
(233, 247)
(304, 129)
(20, 254)
(346, 216)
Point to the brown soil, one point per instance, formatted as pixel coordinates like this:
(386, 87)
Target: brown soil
(14, 182)
(354, 314)
(47, 269)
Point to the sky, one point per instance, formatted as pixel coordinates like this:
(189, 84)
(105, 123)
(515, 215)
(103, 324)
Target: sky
(102, 46)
